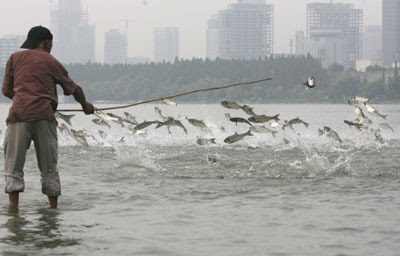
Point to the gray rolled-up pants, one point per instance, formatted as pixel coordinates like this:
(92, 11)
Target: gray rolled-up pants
(17, 140)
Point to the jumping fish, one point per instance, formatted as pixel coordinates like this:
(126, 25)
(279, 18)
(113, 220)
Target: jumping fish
(275, 123)
(310, 83)
(79, 138)
(240, 120)
(263, 129)
(248, 110)
(171, 122)
(130, 118)
(119, 120)
(297, 120)
(158, 112)
(66, 118)
(202, 141)
(359, 99)
(63, 129)
(197, 123)
(332, 134)
(104, 116)
(144, 125)
(101, 122)
(386, 126)
(372, 110)
(358, 126)
(236, 137)
(169, 102)
(230, 105)
(263, 118)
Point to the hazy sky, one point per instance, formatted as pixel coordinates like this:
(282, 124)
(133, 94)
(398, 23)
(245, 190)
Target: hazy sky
(17, 16)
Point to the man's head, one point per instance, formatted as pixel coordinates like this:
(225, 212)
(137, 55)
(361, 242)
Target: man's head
(38, 36)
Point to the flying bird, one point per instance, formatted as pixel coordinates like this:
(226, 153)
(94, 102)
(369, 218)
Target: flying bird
(310, 82)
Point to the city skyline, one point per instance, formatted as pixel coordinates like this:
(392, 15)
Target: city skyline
(144, 16)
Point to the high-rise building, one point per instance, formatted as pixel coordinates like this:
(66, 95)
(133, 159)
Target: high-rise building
(212, 38)
(244, 31)
(336, 29)
(74, 38)
(372, 42)
(390, 31)
(115, 47)
(8, 45)
(166, 44)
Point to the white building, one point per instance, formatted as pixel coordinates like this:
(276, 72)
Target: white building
(244, 31)
(372, 42)
(74, 38)
(166, 44)
(115, 47)
(334, 34)
(8, 45)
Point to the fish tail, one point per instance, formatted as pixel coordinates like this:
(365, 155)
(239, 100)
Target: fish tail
(68, 119)
(276, 117)
(213, 140)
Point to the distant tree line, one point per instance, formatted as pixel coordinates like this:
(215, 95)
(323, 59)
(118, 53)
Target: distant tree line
(130, 83)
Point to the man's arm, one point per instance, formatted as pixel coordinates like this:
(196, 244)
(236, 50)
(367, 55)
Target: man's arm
(79, 96)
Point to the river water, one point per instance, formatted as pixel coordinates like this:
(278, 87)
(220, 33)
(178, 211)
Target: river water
(154, 193)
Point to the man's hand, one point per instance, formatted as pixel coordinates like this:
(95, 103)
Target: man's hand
(88, 108)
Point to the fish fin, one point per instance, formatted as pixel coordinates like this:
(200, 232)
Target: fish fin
(213, 140)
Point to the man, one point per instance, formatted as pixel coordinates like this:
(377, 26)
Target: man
(30, 82)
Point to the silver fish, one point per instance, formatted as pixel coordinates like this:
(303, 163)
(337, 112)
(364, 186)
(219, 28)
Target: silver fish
(263, 118)
(66, 118)
(130, 118)
(297, 120)
(373, 111)
(63, 129)
(101, 122)
(332, 134)
(119, 120)
(310, 83)
(230, 105)
(262, 129)
(169, 102)
(144, 125)
(248, 110)
(104, 116)
(359, 99)
(240, 120)
(386, 126)
(358, 126)
(202, 141)
(80, 139)
(171, 122)
(197, 123)
(158, 112)
(236, 137)
(275, 123)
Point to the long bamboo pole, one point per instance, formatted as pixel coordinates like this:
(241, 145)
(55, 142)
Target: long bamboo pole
(172, 96)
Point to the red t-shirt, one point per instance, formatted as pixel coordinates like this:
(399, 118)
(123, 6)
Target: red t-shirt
(33, 75)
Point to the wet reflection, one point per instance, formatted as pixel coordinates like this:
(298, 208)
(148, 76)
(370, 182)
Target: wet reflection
(28, 233)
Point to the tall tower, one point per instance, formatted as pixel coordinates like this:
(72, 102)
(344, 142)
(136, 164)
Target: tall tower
(390, 31)
(340, 26)
(115, 47)
(245, 30)
(74, 38)
(166, 44)
(8, 45)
